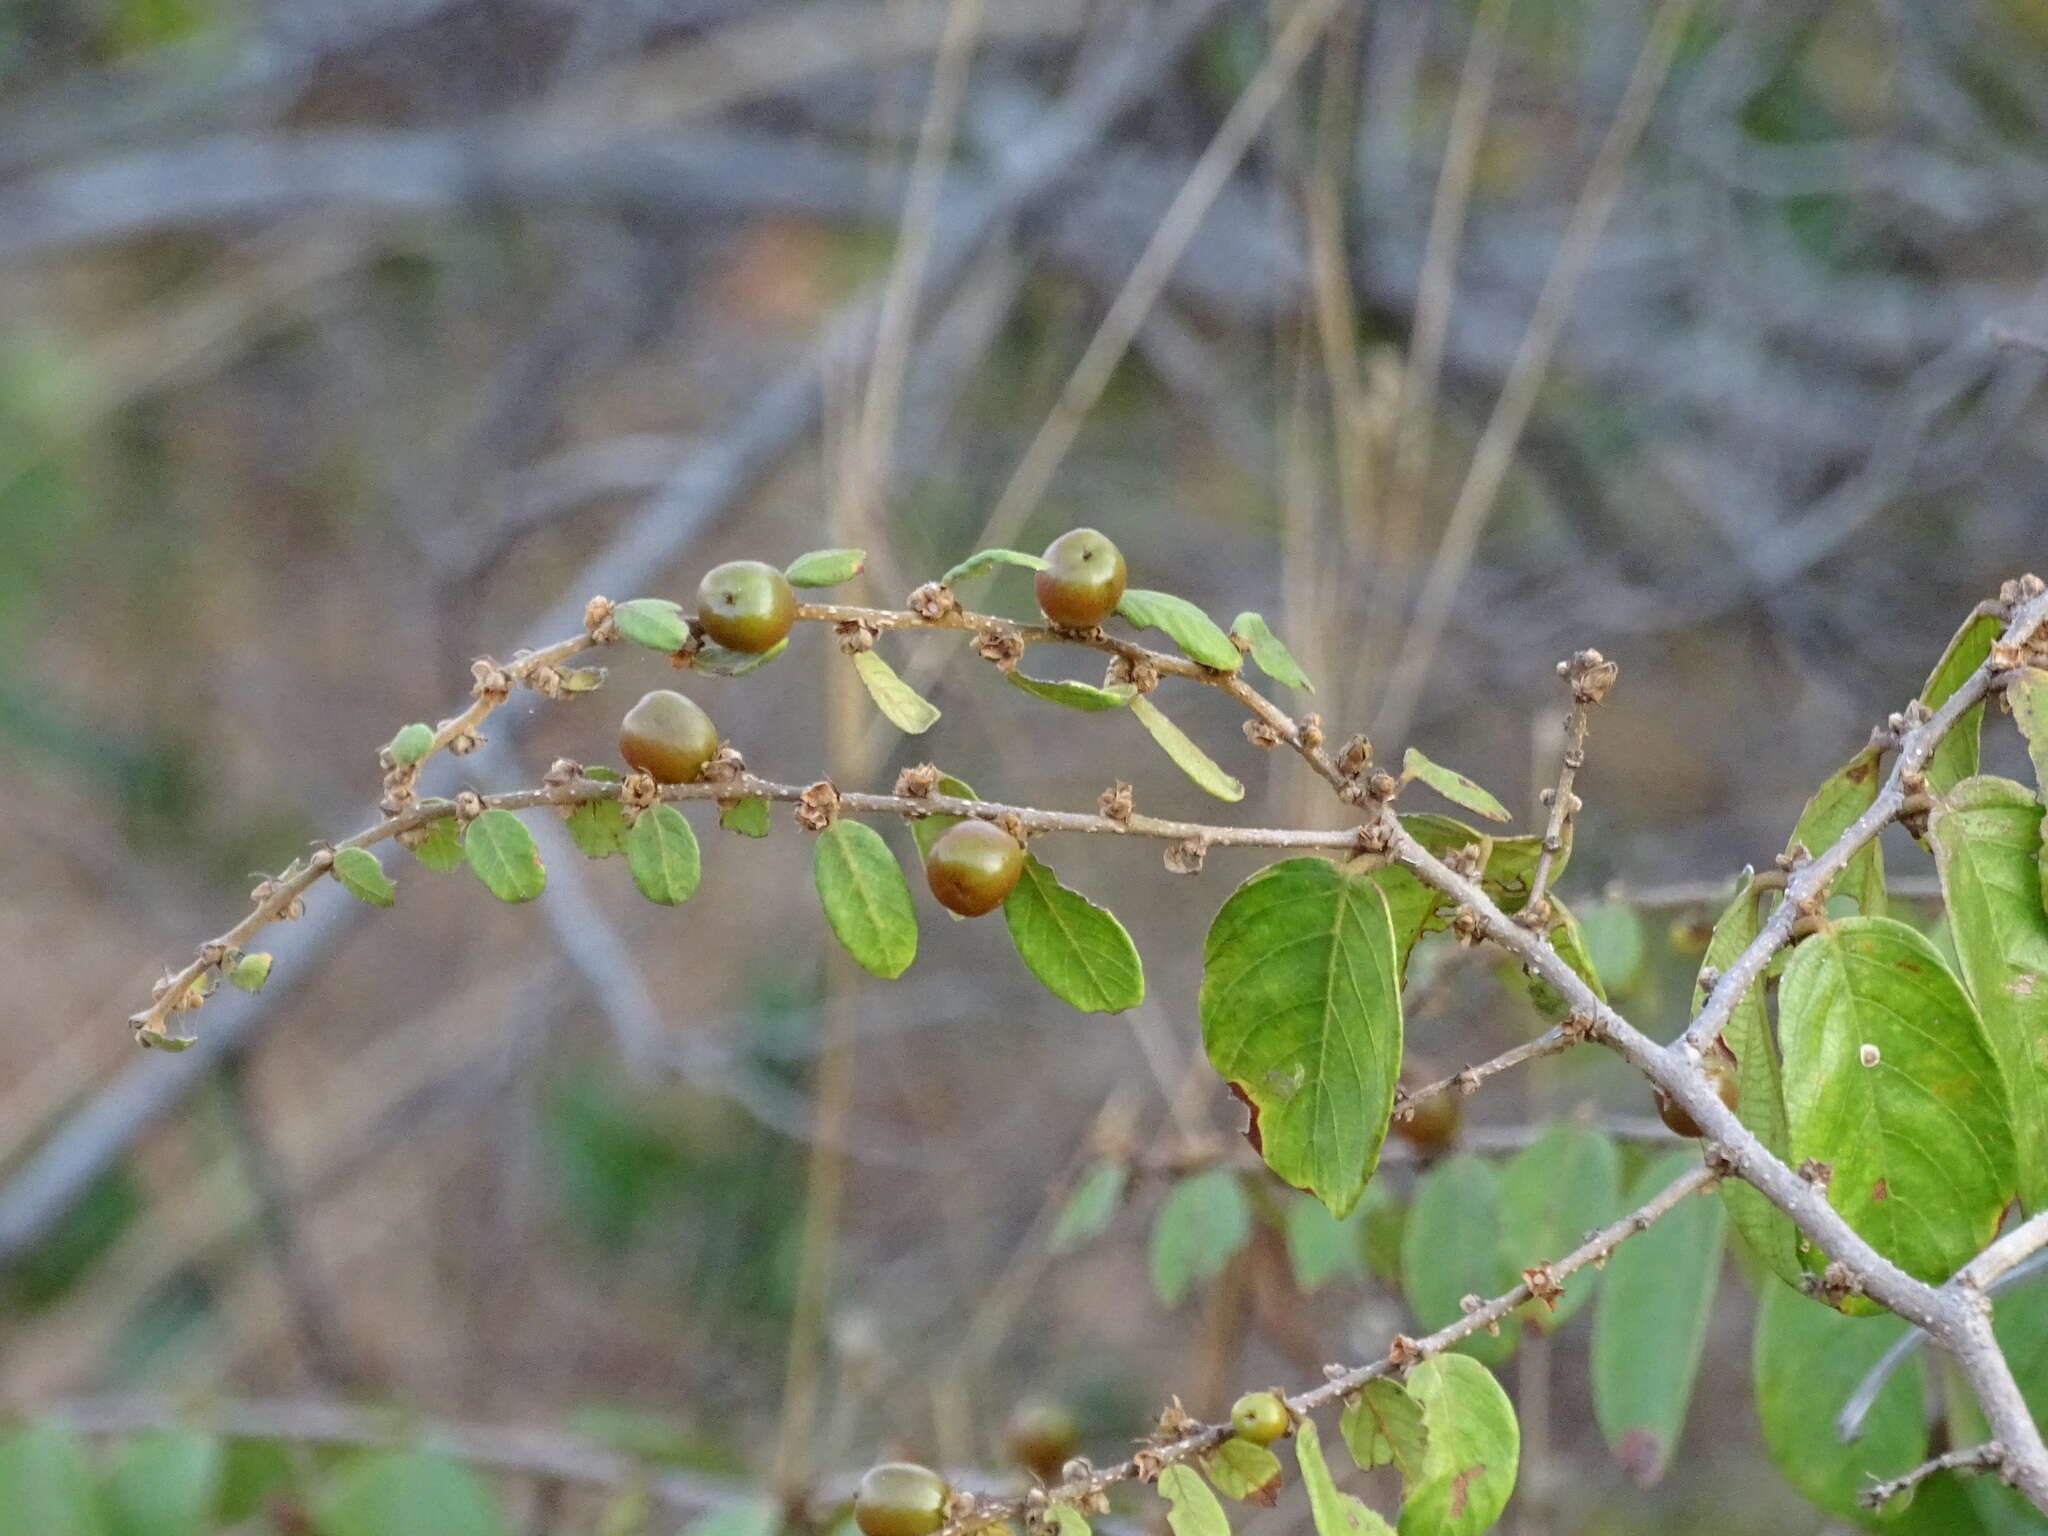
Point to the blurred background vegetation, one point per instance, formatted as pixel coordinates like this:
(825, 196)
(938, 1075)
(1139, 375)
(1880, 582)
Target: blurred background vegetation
(342, 342)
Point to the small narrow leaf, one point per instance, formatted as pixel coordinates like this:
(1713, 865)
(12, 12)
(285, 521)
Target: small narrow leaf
(714, 658)
(1190, 759)
(747, 816)
(826, 567)
(363, 877)
(1079, 950)
(866, 900)
(1475, 1449)
(1301, 1013)
(598, 828)
(1091, 1207)
(250, 972)
(1842, 797)
(441, 848)
(1383, 1427)
(412, 743)
(1074, 695)
(1319, 1246)
(1564, 1184)
(1192, 1510)
(1185, 624)
(984, 561)
(1273, 658)
(1451, 1249)
(1242, 1470)
(1956, 758)
(661, 851)
(500, 852)
(905, 707)
(1335, 1512)
(1200, 1225)
(1656, 1298)
(654, 622)
(1452, 785)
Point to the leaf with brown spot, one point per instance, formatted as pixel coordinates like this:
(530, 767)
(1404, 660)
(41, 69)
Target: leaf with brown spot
(1474, 1449)
(1460, 1484)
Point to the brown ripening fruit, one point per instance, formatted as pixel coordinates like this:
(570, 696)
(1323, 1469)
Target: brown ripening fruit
(1042, 1438)
(1720, 1069)
(973, 867)
(1083, 579)
(1432, 1125)
(668, 736)
(900, 1498)
(746, 605)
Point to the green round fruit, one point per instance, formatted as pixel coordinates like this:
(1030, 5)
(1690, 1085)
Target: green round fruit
(973, 867)
(900, 1498)
(1720, 1070)
(1260, 1417)
(1082, 580)
(669, 737)
(746, 605)
(1041, 1438)
(1433, 1123)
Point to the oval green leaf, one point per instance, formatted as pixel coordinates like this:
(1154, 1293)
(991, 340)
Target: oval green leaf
(747, 816)
(1383, 1426)
(1563, 1185)
(826, 567)
(1656, 1299)
(1191, 1509)
(1451, 1249)
(1273, 658)
(250, 972)
(1074, 695)
(983, 561)
(598, 828)
(1615, 943)
(1987, 844)
(1301, 1013)
(441, 849)
(714, 658)
(1200, 1225)
(1475, 1449)
(363, 877)
(500, 852)
(1242, 1470)
(1956, 758)
(866, 900)
(1091, 1207)
(906, 708)
(1335, 1512)
(654, 622)
(1319, 1246)
(1191, 759)
(1452, 785)
(661, 851)
(1079, 950)
(1185, 624)
(409, 1493)
(412, 743)
(1842, 797)
(164, 1484)
(46, 1484)
(1892, 1082)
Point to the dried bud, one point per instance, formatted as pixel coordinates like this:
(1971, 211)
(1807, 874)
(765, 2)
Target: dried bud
(1580, 1026)
(1115, 802)
(462, 743)
(1816, 1172)
(1375, 837)
(1260, 734)
(493, 682)
(563, 770)
(1013, 824)
(597, 620)
(1175, 1421)
(1468, 927)
(320, 858)
(961, 1505)
(1403, 1352)
(1309, 732)
(1543, 1285)
(817, 807)
(1354, 757)
(544, 680)
(1132, 671)
(1147, 1464)
(1383, 786)
(1000, 644)
(1590, 675)
(639, 792)
(855, 635)
(933, 600)
(726, 766)
(1186, 856)
(468, 806)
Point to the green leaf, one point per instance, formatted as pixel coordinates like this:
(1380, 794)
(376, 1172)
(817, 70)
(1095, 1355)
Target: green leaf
(598, 828)
(1065, 1520)
(742, 1517)
(865, 897)
(1079, 950)
(363, 877)
(251, 971)
(1842, 797)
(1891, 1080)
(1451, 1249)
(1191, 759)
(906, 708)
(1200, 1225)
(1615, 944)
(412, 743)
(163, 1484)
(46, 1485)
(501, 854)
(1074, 695)
(1091, 1207)
(1192, 1510)
(926, 830)
(1656, 1299)
(1987, 843)
(441, 849)
(1335, 1512)
(1475, 1449)
(1764, 1229)
(1452, 785)
(1242, 1470)
(826, 567)
(747, 816)
(409, 1493)
(1301, 1013)
(2027, 694)
(661, 851)
(1805, 1361)
(714, 658)
(1319, 1246)
(1957, 756)
(1383, 1426)
(1273, 658)
(654, 622)
(1569, 940)
(1185, 624)
(983, 561)
(1560, 1187)
(252, 1473)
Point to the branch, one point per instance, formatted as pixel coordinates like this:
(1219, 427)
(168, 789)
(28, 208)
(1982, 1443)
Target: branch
(1975, 1458)
(1589, 675)
(2024, 1240)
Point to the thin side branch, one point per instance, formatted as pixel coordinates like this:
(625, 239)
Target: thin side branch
(1973, 1458)
(1589, 675)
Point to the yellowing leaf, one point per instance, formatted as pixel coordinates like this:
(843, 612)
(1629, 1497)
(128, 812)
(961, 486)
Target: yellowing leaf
(1190, 759)
(905, 707)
